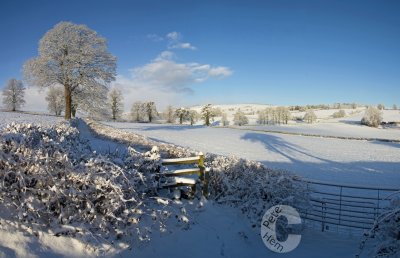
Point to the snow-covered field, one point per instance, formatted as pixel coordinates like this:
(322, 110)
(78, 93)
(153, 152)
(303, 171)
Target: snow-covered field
(212, 229)
(343, 161)
(17, 117)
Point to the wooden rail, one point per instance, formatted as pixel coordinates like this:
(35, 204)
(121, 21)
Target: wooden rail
(173, 177)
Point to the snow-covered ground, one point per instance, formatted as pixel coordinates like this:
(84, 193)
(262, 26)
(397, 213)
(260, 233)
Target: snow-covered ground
(17, 117)
(338, 129)
(216, 230)
(335, 160)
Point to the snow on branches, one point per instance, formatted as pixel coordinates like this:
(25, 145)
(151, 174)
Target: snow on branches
(50, 177)
(247, 185)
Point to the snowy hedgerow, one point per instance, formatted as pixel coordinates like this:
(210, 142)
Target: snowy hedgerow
(246, 185)
(251, 187)
(372, 117)
(51, 178)
(386, 232)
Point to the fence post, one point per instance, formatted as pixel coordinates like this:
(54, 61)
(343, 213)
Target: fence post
(340, 204)
(377, 208)
(203, 176)
(323, 209)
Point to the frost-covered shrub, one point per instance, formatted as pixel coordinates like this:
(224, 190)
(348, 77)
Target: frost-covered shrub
(51, 178)
(339, 114)
(372, 117)
(251, 187)
(310, 117)
(240, 118)
(386, 232)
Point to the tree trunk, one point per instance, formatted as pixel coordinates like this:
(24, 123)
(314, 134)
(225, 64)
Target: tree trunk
(68, 102)
(74, 107)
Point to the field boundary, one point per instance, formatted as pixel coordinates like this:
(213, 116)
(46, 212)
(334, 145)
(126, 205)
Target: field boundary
(314, 135)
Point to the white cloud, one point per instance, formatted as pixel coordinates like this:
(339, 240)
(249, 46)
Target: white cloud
(174, 39)
(183, 46)
(154, 37)
(174, 36)
(164, 80)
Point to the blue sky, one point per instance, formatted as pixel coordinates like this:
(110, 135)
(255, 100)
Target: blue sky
(194, 52)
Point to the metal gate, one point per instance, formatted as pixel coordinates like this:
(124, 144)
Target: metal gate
(345, 205)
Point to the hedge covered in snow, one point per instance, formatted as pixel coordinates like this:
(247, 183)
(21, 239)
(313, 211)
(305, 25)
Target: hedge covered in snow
(385, 232)
(247, 185)
(51, 179)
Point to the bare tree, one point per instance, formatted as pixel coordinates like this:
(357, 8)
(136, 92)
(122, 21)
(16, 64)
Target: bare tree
(170, 114)
(240, 118)
(115, 100)
(284, 115)
(73, 56)
(207, 113)
(193, 116)
(150, 110)
(182, 114)
(137, 111)
(13, 94)
(310, 117)
(55, 100)
(224, 119)
(262, 118)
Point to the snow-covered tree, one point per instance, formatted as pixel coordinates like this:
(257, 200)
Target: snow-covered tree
(150, 110)
(193, 116)
(115, 100)
(97, 106)
(381, 106)
(217, 111)
(182, 114)
(262, 118)
(55, 100)
(224, 119)
(372, 117)
(339, 114)
(284, 115)
(207, 113)
(310, 117)
(13, 94)
(240, 118)
(169, 114)
(137, 111)
(75, 57)
(394, 107)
